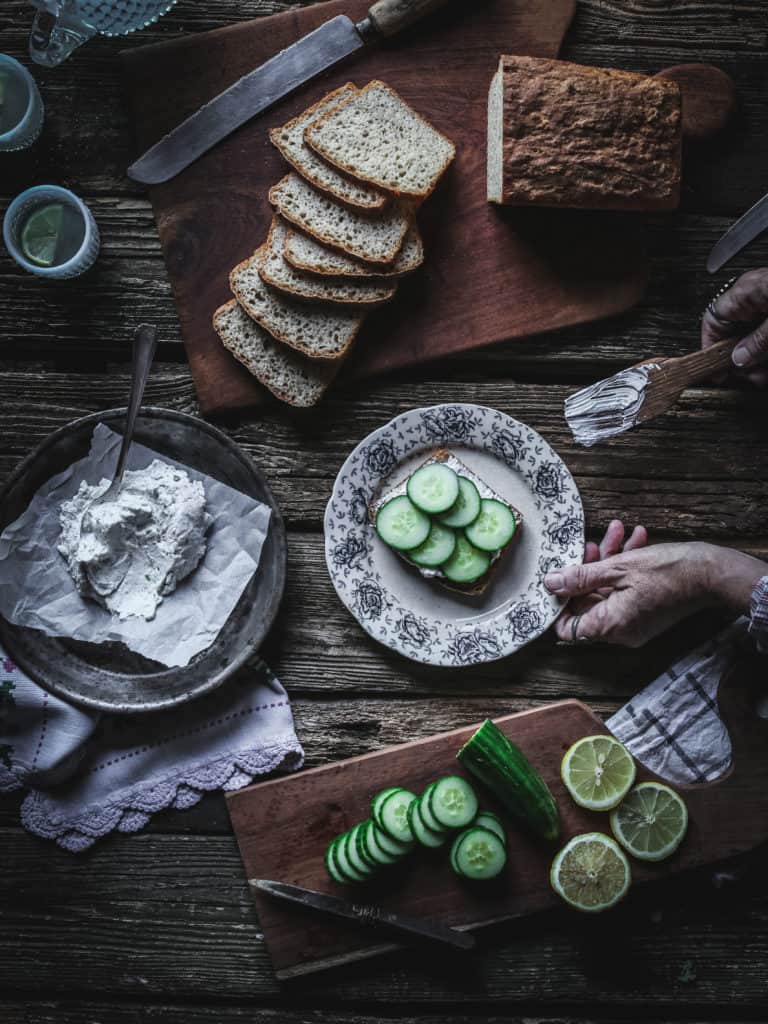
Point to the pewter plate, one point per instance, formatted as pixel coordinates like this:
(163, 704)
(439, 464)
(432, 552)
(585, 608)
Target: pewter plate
(110, 677)
(415, 616)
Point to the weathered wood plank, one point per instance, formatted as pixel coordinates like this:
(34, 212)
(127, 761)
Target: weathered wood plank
(164, 917)
(671, 475)
(100, 1012)
(86, 325)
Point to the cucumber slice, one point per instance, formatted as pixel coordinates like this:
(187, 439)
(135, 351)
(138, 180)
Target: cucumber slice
(401, 525)
(392, 846)
(379, 799)
(433, 488)
(376, 851)
(453, 802)
(330, 864)
(491, 821)
(361, 866)
(465, 509)
(424, 836)
(426, 814)
(342, 861)
(362, 846)
(394, 815)
(493, 528)
(436, 549)
(467, 563)
(478, 854)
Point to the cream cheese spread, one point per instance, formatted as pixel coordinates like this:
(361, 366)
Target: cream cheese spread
(131, 552)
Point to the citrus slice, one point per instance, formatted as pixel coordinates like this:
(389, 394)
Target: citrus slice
(651, 821)
(598, 771)
(591, 872)
(40, 234)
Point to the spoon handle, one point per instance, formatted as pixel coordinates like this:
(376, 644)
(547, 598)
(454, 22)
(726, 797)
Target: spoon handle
(144, 345)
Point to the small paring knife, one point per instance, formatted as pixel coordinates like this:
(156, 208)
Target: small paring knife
(366, 914)
(263, 87)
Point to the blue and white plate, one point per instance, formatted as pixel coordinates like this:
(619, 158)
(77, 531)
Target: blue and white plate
(417, 617)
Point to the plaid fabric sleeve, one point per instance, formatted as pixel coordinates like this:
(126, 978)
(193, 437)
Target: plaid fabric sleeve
(758, 615)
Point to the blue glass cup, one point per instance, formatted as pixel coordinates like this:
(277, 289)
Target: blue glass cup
(83, 229)
(21, 108)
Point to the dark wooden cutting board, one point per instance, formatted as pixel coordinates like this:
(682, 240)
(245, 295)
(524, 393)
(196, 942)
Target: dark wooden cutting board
(489, 274)
(283, 827)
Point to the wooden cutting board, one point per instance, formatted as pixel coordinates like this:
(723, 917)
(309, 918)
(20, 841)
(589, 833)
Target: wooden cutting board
(284, 826)
(489, 275)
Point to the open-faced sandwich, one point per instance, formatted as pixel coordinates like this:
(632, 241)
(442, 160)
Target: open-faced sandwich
(447, 523)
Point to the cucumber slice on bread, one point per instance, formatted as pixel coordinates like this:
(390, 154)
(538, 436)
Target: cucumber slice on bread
(401, 525)
(433, 488)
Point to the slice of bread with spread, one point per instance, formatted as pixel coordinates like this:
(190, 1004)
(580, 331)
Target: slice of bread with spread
(493, 556)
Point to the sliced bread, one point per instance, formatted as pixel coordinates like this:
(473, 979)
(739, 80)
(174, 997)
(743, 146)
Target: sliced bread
(317, 332)
(379, 139)
(289, 139)
(313, 257)
(277, 272)
(374, 239)
(289, 376)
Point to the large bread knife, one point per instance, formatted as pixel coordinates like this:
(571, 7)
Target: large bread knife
(261, 88)
(745, 230)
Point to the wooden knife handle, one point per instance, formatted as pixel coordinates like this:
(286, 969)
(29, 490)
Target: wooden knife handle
(390, 16)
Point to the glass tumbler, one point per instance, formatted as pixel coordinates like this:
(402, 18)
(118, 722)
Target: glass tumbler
(78, 242)
(21, 108)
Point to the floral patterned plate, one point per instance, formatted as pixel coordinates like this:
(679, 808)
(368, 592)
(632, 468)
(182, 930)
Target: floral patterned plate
(419, 618)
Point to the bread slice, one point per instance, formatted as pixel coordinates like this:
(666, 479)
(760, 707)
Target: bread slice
(307, 254)
(275, 270)
(374, 239)
(290, 377)
(565, 135)
(315, 331)
(289, 139)
(478, 587)
(379, 139)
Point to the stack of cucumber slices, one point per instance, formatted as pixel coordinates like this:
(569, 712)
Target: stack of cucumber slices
(401, 821)
(442, 523)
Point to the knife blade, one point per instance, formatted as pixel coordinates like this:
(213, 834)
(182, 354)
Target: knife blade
(261, 88)
(745, 230)
(363, 913)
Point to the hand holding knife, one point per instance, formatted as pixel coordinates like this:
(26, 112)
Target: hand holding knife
(263, 87)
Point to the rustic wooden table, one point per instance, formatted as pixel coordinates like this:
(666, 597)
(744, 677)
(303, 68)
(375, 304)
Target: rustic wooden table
(160, 924)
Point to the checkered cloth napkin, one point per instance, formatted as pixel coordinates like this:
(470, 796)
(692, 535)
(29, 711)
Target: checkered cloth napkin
(89, 774)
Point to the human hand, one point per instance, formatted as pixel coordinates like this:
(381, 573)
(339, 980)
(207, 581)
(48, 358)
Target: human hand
(742, 309)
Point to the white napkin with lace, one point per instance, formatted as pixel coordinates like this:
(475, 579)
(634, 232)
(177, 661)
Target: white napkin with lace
(90, 774)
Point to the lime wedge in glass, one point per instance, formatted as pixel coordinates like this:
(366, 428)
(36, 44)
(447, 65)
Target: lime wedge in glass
(40, 234)
(651, 821)
(591, 872)
(598, 771)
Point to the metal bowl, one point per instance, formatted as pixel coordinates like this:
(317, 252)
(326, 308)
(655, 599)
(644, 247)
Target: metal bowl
(109, 676)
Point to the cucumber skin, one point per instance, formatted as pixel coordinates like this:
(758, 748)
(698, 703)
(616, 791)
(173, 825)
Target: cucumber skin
(492, 758)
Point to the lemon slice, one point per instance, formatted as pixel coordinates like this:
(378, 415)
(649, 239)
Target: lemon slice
(651, 822)
(591, 872)
(40, 234)
(598, 771)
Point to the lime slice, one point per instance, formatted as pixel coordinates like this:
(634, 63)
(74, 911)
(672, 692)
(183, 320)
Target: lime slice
(40, 234)
(591, 872)
(651, 822)
(598, 771)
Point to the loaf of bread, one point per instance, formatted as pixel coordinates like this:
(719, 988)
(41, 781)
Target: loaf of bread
(569, 136)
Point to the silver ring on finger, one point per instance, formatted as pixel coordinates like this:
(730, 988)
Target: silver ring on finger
(575, 638)
(712, 305)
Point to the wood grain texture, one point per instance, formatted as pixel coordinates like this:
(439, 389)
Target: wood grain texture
(489, 275)
(283, 828)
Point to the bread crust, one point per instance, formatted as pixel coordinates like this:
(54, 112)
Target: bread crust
(255, 314)
(584, 137)
(381, 199)
(310, 137)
